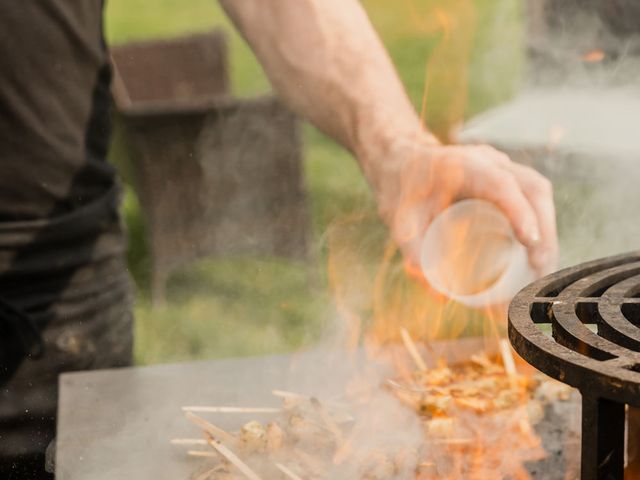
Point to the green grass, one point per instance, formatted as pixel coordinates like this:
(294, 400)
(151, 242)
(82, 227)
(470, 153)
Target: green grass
(130, 20)
(242, 306)
(214, 311)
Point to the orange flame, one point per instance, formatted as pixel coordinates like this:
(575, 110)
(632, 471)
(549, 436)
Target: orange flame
(447, 68)
(378, 295)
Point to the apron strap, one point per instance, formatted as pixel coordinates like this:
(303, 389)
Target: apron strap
(21, 339)
(22, 327)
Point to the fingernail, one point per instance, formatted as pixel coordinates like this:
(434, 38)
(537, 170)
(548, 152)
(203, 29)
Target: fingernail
(532, 234)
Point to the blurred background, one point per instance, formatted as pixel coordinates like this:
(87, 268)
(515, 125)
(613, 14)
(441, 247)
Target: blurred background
(471, 56)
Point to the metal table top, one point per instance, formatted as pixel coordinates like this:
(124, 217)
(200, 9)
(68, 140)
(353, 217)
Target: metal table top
(117, 424)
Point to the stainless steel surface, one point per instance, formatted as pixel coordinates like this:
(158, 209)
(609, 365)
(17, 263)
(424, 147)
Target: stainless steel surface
(117, 424)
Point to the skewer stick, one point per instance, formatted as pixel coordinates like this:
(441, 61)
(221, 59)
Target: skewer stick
(285, 394)
(310, 462)
(326, 418)
(507, 358)
(211, 429)
(408, 398)
(412, 349)
(342, 453)
(234, 459)
(525, 426)
(204, 409)
(208, 474)
(201, 453)
(416, 390)
(453, 441)
(188, 441)
(290, 399)
(287, 472)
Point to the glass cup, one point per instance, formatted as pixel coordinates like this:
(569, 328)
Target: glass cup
(470, 254)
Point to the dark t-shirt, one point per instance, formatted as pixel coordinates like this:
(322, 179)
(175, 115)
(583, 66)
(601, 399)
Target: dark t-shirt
(54, 100)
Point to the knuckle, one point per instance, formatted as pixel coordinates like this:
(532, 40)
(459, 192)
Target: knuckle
(483, 160)
(502, 158)
(546, 185)
(508, 180)
(543, 186)
(494, 155)
(540, 181)
(507, 189)
(498, 179)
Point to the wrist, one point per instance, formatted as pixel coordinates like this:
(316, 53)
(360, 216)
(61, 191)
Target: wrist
(383, 150)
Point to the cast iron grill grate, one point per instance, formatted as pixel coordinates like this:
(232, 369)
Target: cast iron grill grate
(581, 326)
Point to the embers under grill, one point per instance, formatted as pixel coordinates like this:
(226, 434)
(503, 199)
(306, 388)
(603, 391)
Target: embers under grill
(581, 326)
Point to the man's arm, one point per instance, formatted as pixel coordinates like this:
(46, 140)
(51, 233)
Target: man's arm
(326, 61)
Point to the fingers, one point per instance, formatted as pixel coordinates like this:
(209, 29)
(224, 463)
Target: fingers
(481, 172)
(498, 185)
(539, 192)
(423, 193)
(526, 197)
(406, 235)
(408, 230)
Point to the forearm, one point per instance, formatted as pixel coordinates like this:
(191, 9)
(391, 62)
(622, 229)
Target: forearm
(326, 61)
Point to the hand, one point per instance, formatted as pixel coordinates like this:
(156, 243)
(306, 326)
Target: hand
(420, 178)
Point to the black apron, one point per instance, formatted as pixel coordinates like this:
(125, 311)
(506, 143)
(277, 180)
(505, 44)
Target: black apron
(62, 269)
(66, 277)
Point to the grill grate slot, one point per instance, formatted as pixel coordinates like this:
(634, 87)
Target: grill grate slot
(631, 312)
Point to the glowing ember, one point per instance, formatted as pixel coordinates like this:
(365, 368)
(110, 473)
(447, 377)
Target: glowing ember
(593, 56)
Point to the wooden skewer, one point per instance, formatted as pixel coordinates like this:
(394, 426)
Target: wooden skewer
(204, 409)
(343, 452)
(453, 441)
(412, 349)
(328, 421)
(211, 429)
(188, 441)
(416, 390)
(525, 426)
(290, 399)
(207, 475)
(234, 459)
(408, 398)
(285, 394)
(310, 462)
(201, 453)
(507, 358)
(287, 472)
